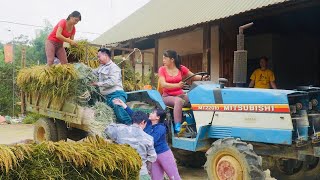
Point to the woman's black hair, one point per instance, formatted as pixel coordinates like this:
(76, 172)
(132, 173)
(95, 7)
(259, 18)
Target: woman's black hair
(75, 14)
(174, 55)
(161, 113)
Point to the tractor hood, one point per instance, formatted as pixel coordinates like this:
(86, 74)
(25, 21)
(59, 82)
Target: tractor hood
(207, 93)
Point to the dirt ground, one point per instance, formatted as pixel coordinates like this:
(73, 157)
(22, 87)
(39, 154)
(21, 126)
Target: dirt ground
(14, 133)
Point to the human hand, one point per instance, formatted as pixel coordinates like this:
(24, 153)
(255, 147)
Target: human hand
(180, 84)
(73, 43)
(94, 84)
(119, 102)
(149, 167)
(206, 78)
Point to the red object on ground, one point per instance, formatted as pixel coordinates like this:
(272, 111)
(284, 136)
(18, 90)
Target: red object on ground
(2, 119)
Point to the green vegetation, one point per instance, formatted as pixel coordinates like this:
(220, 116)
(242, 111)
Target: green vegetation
(31, 118)
(35, 54)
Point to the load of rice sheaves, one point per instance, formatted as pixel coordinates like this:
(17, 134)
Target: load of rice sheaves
(84, 53)
(57, 82)
(94, 158)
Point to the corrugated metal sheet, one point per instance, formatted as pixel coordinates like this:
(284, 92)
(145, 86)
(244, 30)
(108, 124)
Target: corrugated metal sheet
(164, 15)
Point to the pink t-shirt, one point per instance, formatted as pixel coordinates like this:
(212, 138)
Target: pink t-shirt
(173, 79)
(65, 33)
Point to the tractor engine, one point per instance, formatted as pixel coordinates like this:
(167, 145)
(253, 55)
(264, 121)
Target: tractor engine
(298, 110)
(313, 111)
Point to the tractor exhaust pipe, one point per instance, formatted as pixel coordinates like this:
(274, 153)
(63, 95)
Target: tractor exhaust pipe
(243, 27)
(240, 59)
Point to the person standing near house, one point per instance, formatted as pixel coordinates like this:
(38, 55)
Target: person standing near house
(263, 77)
(110, 84)
(134, 136)
(64, 31)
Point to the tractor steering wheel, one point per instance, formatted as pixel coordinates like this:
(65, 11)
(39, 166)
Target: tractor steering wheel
(187, 86)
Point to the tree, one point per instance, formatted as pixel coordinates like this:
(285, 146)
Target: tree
(35, 52)
(6, 86)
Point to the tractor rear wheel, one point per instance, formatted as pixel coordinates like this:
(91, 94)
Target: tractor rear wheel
(233, 159)
(290, 169)
(45, 130)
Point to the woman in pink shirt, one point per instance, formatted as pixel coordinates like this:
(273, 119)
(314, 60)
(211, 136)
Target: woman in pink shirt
(64, 31)
(170, 79)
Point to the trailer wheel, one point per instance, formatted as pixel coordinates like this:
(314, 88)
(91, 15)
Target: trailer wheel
(233, 159)
(62, 131)
(290, 169)
(76, 134)
(45, 130)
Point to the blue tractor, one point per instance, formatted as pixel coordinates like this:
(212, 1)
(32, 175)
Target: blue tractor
(237, 132)
(240, 132)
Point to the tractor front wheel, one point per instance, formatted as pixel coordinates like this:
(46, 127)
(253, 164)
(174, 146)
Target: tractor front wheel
(233, 159)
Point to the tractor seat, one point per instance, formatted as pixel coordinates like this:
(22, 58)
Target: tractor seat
(185, 108)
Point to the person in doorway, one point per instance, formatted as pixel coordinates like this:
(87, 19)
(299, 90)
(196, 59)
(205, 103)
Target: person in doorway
(263, 77)
(110, 84)
(134, 136)
(64, 31)
(156, 128)
(170, 79)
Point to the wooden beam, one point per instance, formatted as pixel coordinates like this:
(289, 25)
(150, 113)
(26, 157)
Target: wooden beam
(142, 61)
(112, 53)
(206, 48)
(133, 62)
(122, 66)
(156, 55)
(121, 49)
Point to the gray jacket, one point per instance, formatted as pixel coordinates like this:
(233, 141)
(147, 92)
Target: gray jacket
(137, 139)
(110, 79)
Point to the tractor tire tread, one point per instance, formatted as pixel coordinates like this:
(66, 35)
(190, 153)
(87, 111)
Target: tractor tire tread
(254, 162)
(49, 128)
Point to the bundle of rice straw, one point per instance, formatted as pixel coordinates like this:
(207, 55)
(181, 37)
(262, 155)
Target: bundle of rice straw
(104, 115)
(94, 158)
(57, 82)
